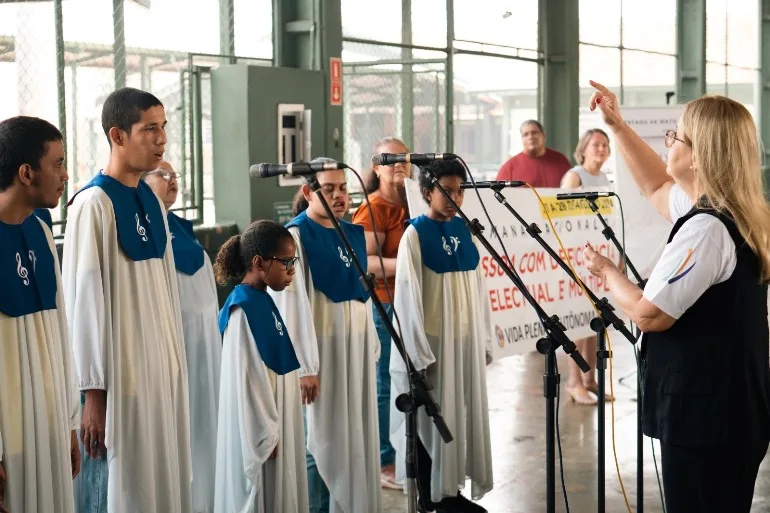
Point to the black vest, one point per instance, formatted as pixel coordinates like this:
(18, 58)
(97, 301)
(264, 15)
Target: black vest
(706, 379)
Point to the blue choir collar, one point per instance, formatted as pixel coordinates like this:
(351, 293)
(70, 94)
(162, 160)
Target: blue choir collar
(45, 215)
(267, 327)
(27, 269)
(138, 216)
(446, 246)
(331, 268)
(189, 255)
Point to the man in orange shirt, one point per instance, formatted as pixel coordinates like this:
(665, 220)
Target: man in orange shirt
(537, 165)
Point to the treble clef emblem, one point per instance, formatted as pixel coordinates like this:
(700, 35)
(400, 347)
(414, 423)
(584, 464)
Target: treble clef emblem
(33, 259)
(278, 325)
(140, 229)
(21, 270)
(344, 257)
(446, 246)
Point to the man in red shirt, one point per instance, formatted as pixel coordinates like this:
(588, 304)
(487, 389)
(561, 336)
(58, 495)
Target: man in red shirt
(537, 165)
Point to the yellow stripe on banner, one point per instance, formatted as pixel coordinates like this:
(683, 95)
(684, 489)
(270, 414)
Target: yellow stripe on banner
(573, 207)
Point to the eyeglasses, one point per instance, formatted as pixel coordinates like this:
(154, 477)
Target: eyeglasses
(289, 263)
(166, 175)
(670, 137)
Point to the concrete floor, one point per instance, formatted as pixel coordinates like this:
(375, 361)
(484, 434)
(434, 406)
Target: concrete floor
(517, 420)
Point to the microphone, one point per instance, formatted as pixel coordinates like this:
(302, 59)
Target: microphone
(293, 169)
(496, 185)
(583, 195)
(388, 159)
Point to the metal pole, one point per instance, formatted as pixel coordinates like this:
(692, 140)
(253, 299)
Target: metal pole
(450, 75)
(182, 131)
(437, 114)
(119, 43)
(197, 180)
(74, 156)
(601, 365)
(550, 385)
(191, 120)
(407, 79)
(145, 73)
(61, 93)
(639, 443)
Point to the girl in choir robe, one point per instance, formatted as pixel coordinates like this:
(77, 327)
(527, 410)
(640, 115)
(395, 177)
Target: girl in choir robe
(260, 462)
(330, 319)
(446, 327)
(203, 342)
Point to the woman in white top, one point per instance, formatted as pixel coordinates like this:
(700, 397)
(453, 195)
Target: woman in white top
(703, 311)
(592, 151)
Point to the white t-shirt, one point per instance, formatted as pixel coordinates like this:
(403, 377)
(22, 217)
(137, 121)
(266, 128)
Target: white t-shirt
(701, 254)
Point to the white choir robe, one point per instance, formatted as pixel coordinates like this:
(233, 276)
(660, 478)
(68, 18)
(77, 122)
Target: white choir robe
(445, 325)
(126, 332)
(39, 407)
(203, 347)
(257, 410)
(338, 343)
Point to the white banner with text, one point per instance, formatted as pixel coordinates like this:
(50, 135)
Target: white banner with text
(515, 323)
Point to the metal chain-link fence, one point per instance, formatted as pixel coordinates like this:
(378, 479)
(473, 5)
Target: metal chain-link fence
(89, 79)
(60, 60)
(29, 62)
(386, 95)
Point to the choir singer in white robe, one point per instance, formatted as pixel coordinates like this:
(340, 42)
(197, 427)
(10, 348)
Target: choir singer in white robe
(203, 342)
(39, 413)
(125, 320)
(329, 315)
(445, 321)
(260, 463)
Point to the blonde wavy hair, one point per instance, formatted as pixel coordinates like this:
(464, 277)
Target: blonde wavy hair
(728, 171)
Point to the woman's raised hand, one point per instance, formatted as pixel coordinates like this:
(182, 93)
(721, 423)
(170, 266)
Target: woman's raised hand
(607, 103)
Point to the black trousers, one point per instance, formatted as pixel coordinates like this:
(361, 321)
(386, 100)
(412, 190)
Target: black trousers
(710, 479)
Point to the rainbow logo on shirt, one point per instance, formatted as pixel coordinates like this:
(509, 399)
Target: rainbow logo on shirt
(681, 270)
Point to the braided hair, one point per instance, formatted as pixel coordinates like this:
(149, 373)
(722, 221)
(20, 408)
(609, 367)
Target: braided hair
(262, 238)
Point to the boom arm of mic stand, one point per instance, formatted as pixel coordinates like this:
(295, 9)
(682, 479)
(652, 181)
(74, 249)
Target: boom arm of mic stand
(553, 326)
(609, 234)
(606, 310)
(418, 381)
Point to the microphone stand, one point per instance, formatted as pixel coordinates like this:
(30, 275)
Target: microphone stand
(606, 318)
(419, 387)
(609, 234)
(547, 346)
